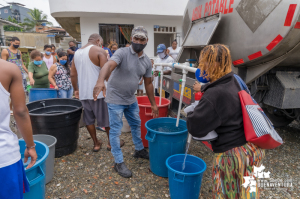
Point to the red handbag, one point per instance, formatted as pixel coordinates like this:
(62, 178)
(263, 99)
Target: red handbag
(258, 128)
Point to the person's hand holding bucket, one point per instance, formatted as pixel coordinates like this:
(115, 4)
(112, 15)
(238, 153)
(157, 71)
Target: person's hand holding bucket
(30, 152)
(154, 111)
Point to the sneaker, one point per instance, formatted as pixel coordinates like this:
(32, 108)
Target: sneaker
(122, 170)
(141, 154)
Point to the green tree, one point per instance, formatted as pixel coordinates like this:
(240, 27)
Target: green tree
(36, 16)
(12, 28)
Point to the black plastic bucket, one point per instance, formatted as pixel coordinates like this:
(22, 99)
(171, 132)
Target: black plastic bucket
(59, 118)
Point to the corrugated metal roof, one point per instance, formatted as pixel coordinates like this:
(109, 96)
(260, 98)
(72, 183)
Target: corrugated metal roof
(5, 22)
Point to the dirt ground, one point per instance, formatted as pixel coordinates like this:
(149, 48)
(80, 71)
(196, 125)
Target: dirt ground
(85, 174)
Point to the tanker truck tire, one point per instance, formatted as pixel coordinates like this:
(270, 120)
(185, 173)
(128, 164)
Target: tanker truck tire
(278, 121)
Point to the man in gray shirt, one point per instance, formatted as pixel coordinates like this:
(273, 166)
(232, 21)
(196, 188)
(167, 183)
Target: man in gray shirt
(124, 70)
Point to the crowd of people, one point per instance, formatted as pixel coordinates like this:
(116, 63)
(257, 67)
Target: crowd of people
(105, 80)
(48, 69)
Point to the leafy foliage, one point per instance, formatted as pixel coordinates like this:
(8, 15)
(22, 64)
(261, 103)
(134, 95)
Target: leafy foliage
(26, 59)
(12, 28)
(36, 17)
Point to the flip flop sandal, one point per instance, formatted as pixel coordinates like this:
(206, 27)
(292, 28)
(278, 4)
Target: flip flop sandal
(122, 143)
(94, 150)
(100, 128)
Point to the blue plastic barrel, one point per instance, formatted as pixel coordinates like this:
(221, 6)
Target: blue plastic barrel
(41, 94)
(186, 183)
(165, 139)
(36, 175)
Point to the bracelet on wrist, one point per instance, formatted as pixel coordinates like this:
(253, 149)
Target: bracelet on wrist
(30, 147)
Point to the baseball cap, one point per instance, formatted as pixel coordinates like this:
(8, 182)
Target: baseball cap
(139, 32)
(161, 48)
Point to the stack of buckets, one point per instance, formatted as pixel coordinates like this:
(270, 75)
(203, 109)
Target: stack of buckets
(166, 152)
(146, 113)
(36, 175)
(42, 171)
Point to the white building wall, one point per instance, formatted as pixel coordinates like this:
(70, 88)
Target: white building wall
(66, 8)
(90, 25)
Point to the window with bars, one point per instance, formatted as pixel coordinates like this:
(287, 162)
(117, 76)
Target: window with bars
(164, 29)
(115, 33)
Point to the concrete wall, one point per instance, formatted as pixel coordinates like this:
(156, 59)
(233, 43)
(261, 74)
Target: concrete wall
(90, 25)
(37, 40)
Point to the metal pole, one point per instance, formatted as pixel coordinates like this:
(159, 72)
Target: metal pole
(184, 72)
(161, 81)
(186, 66)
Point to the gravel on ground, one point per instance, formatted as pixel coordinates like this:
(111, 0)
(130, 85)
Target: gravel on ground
(88, 175)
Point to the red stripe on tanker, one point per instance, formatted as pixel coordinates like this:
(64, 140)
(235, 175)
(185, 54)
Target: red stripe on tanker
(238, 62)
(290, 15)
(297, 26)
(213, 7)
(276, 41)
(255, 55)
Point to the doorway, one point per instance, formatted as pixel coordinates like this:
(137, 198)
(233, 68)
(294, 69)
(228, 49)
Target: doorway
(163, 38)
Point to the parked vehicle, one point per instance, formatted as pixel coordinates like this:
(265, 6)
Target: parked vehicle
(264, 39)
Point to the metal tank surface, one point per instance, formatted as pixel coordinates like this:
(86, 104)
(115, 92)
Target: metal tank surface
(264, 39)
(58, 118)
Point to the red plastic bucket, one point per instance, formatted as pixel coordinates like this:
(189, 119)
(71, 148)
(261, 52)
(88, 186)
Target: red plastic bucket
(146, 113)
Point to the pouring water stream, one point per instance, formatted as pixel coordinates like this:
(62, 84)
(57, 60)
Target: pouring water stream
(186, 67)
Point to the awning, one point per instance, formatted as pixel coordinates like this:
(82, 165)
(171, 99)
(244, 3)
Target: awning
(202, 31)
(5, 22)
(198, 36)
(50, 35)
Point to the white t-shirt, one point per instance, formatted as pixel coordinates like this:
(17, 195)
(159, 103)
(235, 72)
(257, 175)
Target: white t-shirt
(169, 59)
(9, 143)
(88, 74)
(174, 53)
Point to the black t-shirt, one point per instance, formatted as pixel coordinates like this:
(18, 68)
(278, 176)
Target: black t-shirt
(219, 109)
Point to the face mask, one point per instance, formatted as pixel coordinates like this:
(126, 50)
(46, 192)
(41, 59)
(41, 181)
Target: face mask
(16, 46)
(162, 55)
(113, 51)
(138, 47)
(62, 62)
(37, 62)
(47, 52)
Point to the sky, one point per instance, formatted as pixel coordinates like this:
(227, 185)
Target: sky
(39, 4)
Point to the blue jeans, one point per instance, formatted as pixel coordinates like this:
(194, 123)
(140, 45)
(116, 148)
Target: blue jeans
(65, 93)
(131, 113)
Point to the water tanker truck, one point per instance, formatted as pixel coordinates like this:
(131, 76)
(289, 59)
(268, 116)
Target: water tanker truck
(264, 39)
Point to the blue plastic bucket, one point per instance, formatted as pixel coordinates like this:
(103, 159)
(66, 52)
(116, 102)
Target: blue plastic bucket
(41, 94)
(186, 183)
(165, 139)
(36, 175)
